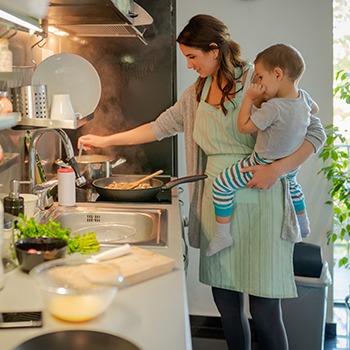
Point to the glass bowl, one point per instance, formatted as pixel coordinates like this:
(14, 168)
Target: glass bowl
(77, 289)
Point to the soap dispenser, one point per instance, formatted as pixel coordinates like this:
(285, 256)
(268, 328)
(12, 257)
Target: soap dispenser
(14, 204)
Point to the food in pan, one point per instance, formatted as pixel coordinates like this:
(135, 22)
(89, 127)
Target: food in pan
(121, 186)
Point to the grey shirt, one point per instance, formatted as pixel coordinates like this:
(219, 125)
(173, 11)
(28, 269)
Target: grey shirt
(282, 124)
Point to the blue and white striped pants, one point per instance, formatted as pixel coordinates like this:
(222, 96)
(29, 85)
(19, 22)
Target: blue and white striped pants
(231, 179)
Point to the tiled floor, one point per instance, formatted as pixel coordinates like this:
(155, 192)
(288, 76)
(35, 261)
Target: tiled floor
(341, 318)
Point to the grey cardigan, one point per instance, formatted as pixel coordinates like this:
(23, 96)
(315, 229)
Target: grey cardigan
(180, 118)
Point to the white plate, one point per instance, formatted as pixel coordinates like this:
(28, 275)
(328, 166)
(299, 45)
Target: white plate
(66, 73)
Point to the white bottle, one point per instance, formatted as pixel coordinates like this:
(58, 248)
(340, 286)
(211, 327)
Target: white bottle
(66, 187)
(2, 274)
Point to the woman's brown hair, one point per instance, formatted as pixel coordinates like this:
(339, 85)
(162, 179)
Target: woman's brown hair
(200, 33)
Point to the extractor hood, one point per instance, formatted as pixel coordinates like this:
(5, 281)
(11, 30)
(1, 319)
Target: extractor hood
(98, 18)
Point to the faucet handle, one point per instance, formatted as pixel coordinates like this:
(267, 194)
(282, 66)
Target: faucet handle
(41, 190)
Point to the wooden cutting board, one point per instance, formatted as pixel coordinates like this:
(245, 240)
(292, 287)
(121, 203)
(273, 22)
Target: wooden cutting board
(140, 265)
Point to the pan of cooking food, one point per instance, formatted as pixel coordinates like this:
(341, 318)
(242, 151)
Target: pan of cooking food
(117, 188)
(94, 166)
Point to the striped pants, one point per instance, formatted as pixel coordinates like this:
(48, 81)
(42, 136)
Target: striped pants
(231, 179)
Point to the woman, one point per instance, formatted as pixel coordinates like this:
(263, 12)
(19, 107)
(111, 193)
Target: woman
(259, 263)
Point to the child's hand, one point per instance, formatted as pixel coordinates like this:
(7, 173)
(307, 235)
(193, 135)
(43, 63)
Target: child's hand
(255, 90)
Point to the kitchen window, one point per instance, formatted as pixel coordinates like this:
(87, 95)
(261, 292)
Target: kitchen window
(341, 118)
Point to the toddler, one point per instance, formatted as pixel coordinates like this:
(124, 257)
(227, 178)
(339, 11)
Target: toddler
(281, 124)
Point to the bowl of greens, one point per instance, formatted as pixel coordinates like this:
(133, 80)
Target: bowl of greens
(36, 243)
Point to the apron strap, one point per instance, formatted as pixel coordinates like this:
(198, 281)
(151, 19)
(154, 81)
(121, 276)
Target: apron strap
(206, 88)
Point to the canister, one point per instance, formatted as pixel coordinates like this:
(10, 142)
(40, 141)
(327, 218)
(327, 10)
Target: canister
(30, 100)
(66, 187)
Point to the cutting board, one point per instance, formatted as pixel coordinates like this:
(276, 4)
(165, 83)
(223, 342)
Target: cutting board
(140, 265)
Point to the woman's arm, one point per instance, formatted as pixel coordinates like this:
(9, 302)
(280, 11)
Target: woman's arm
(266, 176)
(141, 134)
(169, 123)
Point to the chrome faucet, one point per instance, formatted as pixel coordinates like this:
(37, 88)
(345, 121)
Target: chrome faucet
(79, 179)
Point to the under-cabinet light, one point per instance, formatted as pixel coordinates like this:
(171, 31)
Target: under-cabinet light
(56, 31)
(19, 21)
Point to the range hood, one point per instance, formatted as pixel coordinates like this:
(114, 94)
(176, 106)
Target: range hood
(98, 18)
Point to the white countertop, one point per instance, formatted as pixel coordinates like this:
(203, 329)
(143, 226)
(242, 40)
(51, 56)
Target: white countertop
(153, 314)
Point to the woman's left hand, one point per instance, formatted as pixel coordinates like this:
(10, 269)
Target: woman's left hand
(264, 176)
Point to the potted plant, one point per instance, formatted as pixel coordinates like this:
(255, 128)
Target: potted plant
(335, 155)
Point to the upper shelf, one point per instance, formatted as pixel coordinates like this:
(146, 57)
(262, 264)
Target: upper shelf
(30, 123)
(9, 160)
(9, 120)
(14, 121)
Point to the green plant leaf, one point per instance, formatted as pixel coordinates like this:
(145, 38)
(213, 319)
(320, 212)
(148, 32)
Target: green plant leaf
(343, 261)
(338, 73)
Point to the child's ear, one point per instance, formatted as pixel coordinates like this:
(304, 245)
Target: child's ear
(278, 73)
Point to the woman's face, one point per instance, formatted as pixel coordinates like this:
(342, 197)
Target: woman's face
(203, 63)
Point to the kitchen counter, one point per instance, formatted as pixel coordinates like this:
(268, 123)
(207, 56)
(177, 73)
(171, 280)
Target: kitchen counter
(152, 314)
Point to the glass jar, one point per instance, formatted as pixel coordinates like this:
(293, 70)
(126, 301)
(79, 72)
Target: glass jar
(5, 56)
(5, 103)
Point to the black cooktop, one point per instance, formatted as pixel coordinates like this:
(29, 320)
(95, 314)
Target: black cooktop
(88, 193)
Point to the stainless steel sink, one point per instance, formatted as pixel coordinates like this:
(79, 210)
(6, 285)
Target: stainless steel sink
(142, 227)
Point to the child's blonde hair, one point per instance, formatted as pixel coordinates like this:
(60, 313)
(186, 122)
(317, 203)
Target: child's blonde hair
(285, 57)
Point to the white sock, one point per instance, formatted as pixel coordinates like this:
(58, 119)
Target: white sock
(304, 224)
(221, 240)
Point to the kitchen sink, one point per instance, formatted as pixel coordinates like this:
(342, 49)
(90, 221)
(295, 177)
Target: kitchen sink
(142, 227)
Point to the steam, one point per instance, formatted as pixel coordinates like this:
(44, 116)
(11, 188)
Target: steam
(119, 61)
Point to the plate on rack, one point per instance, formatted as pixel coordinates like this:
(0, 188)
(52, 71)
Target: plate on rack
(67, 73)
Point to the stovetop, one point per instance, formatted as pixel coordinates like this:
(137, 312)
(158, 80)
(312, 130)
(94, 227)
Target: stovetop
(88, 193)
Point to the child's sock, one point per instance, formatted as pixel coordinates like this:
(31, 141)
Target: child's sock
(221, 240)
(304, 224)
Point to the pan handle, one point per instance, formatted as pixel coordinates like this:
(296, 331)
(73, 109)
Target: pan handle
(120, 161)
(183, 180)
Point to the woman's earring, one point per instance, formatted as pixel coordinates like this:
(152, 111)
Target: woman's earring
(215, 57)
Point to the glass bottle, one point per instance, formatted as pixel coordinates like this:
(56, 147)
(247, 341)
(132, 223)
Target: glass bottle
(5, 56)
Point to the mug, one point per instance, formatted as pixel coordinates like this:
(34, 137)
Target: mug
(62, 109)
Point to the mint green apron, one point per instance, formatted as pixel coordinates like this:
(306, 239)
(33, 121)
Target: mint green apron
(259, 262)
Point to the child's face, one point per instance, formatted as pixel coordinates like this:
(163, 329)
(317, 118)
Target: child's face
(267, 79)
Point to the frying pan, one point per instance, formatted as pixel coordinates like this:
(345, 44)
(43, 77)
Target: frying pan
(138, 195)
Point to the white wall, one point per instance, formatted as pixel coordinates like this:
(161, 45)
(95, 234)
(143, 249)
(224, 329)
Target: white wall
(255, 25)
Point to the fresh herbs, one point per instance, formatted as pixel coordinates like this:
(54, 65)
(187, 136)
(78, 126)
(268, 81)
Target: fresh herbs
(85, 243)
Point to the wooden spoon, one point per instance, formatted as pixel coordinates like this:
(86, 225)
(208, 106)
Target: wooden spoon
(134, 184)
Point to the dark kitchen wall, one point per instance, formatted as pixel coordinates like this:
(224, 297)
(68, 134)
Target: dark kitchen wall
(138, 84)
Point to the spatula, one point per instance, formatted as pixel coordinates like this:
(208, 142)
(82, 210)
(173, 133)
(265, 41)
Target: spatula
(134, 184)
(80, 151)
